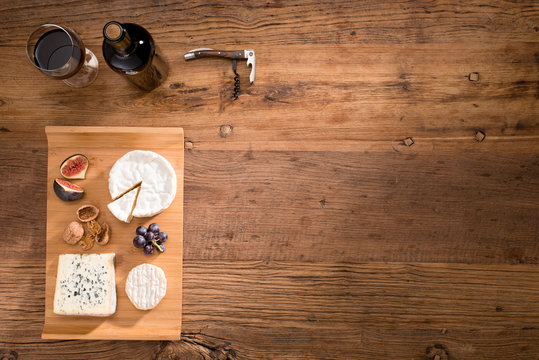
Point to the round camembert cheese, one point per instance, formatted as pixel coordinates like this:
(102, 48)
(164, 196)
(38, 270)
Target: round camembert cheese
(146, 285)
(152, 174)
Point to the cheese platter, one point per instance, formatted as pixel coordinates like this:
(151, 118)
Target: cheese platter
(114, 240)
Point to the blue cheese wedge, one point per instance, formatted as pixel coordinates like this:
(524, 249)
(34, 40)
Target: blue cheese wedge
(146, 285)
(85, 285)
(155, 176)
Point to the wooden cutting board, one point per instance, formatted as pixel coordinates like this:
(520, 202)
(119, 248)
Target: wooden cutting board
(103, 146)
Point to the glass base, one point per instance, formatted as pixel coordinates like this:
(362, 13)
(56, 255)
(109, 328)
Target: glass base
(87, 73)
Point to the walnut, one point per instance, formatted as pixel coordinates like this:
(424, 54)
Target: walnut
(87, 242)
(73, 233)
(87, 213)
(95, 232)
(93, 228)
(104, 237)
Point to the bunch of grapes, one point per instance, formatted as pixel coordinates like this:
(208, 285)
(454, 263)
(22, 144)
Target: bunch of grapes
(150, 237)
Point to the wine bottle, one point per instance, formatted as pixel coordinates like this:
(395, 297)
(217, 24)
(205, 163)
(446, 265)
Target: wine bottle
(130, 50)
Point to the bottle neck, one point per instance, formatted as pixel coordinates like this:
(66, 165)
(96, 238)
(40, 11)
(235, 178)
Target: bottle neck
(116, 36)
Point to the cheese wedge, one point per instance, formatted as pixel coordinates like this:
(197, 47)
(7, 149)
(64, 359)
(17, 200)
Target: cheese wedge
(122, 208)
(85, 285)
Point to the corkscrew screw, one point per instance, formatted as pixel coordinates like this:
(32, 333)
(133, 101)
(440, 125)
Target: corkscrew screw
(236, 81)
(229, 54)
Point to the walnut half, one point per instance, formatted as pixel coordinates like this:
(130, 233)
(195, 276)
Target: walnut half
(104, 237)
(87, 242)
(73, 233)
(93, 228)
(87, 213)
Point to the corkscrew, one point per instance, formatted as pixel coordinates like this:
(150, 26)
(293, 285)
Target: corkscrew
(232, 54)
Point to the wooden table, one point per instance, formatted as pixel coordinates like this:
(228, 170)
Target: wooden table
(374, 194)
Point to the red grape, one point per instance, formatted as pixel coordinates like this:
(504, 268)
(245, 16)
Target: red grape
(139, 241)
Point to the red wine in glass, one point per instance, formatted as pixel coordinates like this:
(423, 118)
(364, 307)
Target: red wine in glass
(59, 52)
(54, 49)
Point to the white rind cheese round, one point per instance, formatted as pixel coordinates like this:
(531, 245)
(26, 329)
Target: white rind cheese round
(155, 176)
(146, 285)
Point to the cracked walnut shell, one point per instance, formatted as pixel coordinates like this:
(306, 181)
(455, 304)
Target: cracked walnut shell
(87, 213)
(103, 237)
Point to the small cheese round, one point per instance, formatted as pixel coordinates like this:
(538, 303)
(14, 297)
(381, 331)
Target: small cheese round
(146, 285)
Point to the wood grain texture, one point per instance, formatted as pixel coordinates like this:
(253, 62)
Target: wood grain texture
(374, 194)
(360, 98)
(266, 22)
(320, 206)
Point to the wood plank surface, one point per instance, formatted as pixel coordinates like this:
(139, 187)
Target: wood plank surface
(364, 97)
(374, 194)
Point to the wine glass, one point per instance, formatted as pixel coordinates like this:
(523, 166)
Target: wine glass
(59, 52)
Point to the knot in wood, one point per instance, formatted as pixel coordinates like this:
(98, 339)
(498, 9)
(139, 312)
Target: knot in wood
(408, 141)
(8, 354)
(479, 136)
(473, 76)
(188, 145)
(225, 130)
(437, 352)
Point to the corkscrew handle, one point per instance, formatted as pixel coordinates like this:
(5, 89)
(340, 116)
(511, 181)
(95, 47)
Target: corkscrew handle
(201, 53)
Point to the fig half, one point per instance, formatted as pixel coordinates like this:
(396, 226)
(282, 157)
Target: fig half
(74, 167)
(67, 191)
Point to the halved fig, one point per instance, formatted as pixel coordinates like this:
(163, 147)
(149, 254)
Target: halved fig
(74, 167)
(67, 191)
